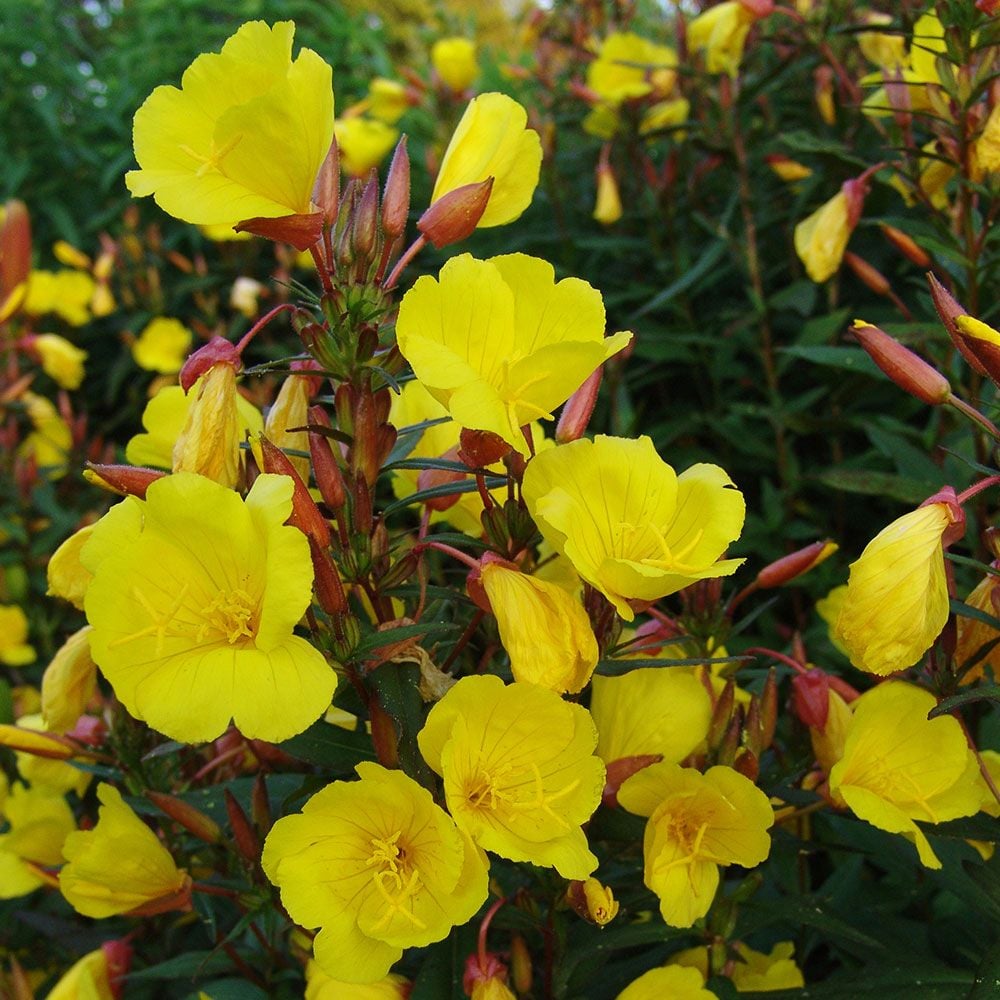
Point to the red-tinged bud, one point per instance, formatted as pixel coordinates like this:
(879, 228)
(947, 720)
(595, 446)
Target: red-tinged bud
(869, 275)
(521, 973)
(811, 698)
(306, 515)
(768, 710)
(17, 983)
(118, 956)
(126, 480)
(989, 7)
(15, 248)
(396, 195)
(728, 749)
(956, 530)
(366, 223)
(619, 771)
(480, 968)
(578, 409)
(430, 478)
(579, 89)
(949, 309)
(481, 449)
(823, 94)
(90, 730)
(455, 215)
(179, 901)
(364, 448)
(244, 836)
(218, 351)
(301, 231)
(906, 246)
(326, 469)
(746, 763)
(983, 342)
(363, 510)
(759, 8)
(193, 820)
(326, 192)
(385, 441)
(789, 567)
(722, 713)
(385, 737)
(855, 191)
(326, 582)
(260, 806)
(911, 373)
(267, 753)
(343, 405)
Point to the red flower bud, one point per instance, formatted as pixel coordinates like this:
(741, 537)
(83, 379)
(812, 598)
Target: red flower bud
(949, 310)
(127, 480)
(366, 222)
(454, 216)
(305, 514)
(193, 820)
(910, 372)
(868, 274)
(396, 196)
(118, 955)
(578, 409)
(619, 771)
(811, 698)
(244, 835)
(906, 246)
(787, 568)
(218, 351)
(15, 248)
(326, 192)
(301, 231)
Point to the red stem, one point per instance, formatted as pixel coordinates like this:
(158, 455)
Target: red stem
(260, 324)
(411, 251)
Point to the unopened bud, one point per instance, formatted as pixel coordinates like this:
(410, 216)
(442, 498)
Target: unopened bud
(868, 274)
(326, 470)
(396, 196)
(431, 478)
(366, 223)
(789, 567)
(983, 343)
(326, 582)
(244, 836)
(260, 806)
(520, 964)
(729, 747)
(49, 746)
(301, 231)
(608, 205)
(578, 409)
(949, 309)
(745, 762)
(118, 956)
(619, 771)
(759, 8)
(193, 820)
(722, 712)
(989, 7)
(911, 373)
(592, 901)
(906, 246)
(126, 480)
(364, 448)
(811, 698)
(15, 248)
(326, 192)
(769, 710)
(823, 94)
(306, 515)
(455, 215)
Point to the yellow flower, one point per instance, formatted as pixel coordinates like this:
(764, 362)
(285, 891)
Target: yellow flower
(673, 981)
(988, 143)
(67, 576)
(165, 417)
(364, 143)
(492, 140)
(666, 114)
(120, 865)
(162, 346)
(88, 979)
(519, 772)
(387, 100)
(828, 743)
(821, 239)
(544, 630)
(195, 596)
(721, 33)
(650, 711)
(899, 766)
(68, 683)
(39, 823)
(51, 438)
(897, 594)
(244, 295)
(66, 293)
(61, 360)
(54, 776)
(397, 872)
(886, 51)
(764, 972)
(454, 60)
(974, 634)
(787, 169)
(602, 121)
(697, 822)
(319, 986)
(608, 206)
(243, 137)
(14, 649)
(69, 255)
(629, 66)
(631, 526)
(291, 409)
(499, 343)
(829, 608)
(926, 44)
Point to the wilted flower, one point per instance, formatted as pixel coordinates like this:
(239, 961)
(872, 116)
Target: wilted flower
(120, 866)
(543, 628)
(61, 360)
(243, 137)
(291, 409)
(492, 140)
(68, 683)
(519, 772)
(14, 649)
(899, 766)
(697, 823)
(593, 900)
(628, 66)
(608, 207)
(454, 60)
(195, 596)
(897, 595)
(500, 343)
(39, 823)
(631, 526)
(974, 635)
(162, 345)
(364, 143)
(820, 239)
(398, 872)
(673, 981)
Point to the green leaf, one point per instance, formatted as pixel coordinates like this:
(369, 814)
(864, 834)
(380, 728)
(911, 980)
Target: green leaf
(852, 359)
(191, 966)
(379, 640)
(396, 686)
(878, 484)
(705, 263)
(331, 747)
(987, 982)
(988, 692)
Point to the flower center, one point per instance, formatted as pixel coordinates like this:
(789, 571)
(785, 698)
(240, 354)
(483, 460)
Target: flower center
(395, 879)
(215, 156)
(230, 614)
(647, 544)
(511, 790)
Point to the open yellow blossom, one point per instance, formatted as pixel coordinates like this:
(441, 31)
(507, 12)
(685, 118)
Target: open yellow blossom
(195, 596)
(162, 345)
(500, 343)
(39, 823)
(628, 66)
(899, 766)
(67, 577)
(120, 865)
(243, 137)
(165, 417)
(752, 971)
(897, 594)
(630, 525)
(454, 60)
(519, 772)
(320, 986)
(14, 648)
(61, 360)
(721, 33)
(363, 142)
(650, 711)
(397, 873)
(697, 823)
(543, 628)
(492, 140)
(55, 776)
(821, 239)
(65, 293)
(92, 976)
(69, 682)
(50, 439)
(673, 981)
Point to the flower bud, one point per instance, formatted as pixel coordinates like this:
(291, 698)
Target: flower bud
(244, 836)
(789, 567)
(592, 901)
(578, 409)
(366, 221)
(326, 469)
(126, 480)
(193, 820)
(364, 449)
(431, 478)
(326, 581)
(326, 192)
(455, 215)
(217, 351)
(983, 342)
(949, 309)
(396, 195)
(520, 964)
(868, 274)
(823, 94)
(48, 746)
(15, 257)
(906, 246)
(910, 372)
(787, 169)
(619, 771)
(301, 231)
(608, 207)
(69, 682)
(306, 515)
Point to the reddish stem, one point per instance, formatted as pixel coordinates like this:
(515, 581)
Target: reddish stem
(411, 251)
(484, 929)
(260, 324)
